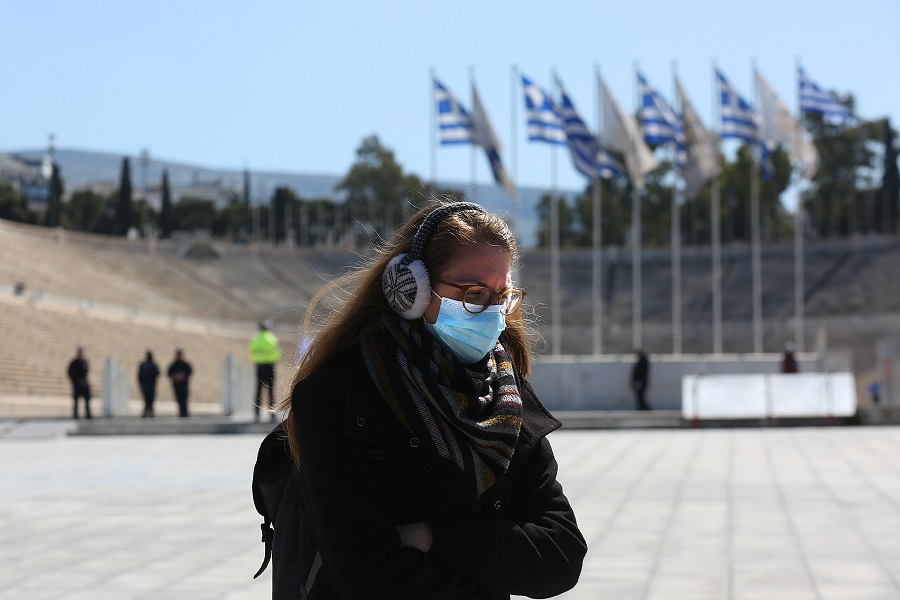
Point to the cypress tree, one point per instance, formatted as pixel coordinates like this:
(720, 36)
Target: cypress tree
(890, 181)
(124, 208)
(165, 213)
(54, 202)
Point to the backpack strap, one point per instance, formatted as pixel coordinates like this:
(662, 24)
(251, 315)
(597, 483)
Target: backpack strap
(267, 534)
(271, 474)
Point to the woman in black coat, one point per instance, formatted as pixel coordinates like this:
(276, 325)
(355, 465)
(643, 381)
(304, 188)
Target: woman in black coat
(426, 470)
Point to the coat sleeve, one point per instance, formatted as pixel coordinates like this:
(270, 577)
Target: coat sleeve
(358, 543)
(536, 550)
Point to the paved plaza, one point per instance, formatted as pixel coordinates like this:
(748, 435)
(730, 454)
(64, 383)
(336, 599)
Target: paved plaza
(744, 514)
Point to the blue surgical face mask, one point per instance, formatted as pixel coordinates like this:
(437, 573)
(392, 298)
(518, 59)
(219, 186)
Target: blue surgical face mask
(468, 336)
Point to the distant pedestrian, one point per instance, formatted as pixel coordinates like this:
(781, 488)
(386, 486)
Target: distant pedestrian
(180, 372)
(640, 379)
(875, 392)
(148, 373)
(265, 352)
(81, 388)
(789, 361)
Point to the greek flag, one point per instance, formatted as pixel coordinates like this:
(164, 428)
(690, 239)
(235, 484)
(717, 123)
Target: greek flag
(738, 117)
(544, 123)
(454, 123)
(659, 122)
(815, 99)
(589, 158)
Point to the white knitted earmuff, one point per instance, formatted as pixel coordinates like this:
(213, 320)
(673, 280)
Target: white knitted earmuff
(406, 282)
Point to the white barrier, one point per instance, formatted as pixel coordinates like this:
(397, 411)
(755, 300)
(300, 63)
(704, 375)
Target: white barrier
(114, 390)
(763, 396)
(238, 388)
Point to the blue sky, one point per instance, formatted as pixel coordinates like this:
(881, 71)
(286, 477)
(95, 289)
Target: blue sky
(297, 85)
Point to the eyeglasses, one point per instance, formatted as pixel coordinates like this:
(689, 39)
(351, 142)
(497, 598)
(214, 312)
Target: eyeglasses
(476, 298)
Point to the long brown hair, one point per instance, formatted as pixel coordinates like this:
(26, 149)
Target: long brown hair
(354, 302)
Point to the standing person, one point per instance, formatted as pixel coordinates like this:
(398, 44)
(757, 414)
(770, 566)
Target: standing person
(265, 352)
(640, 379)
(426, 471)
(148, 373)
(81, 388)
(180, 372)
(789, 360)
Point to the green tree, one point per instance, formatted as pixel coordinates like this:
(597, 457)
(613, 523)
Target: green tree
(230, 222)
(845, 152)
(54, 200)
(615, 212)
(166, 225)
(247, 226)
(13, 205)
(890, 180)
(379, 193)
(568, 235)
(145, 216)
(285, 204)
(194, 213)
(124, 203)
(89, 211)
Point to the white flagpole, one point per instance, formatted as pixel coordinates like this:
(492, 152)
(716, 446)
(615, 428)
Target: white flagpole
(715, 225)
(556, 333)
(636, 308)
(597, 238)
(473, 149)
(513, 146)
(755, 242)
(433, 136)
(799, 223)
(676, 248)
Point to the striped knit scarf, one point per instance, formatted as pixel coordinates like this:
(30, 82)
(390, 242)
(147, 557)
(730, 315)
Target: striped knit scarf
(472, 418)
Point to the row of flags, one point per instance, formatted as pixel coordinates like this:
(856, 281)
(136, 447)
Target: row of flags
(769, 124)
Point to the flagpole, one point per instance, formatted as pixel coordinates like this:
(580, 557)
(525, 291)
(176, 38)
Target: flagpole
(597, 240)
(755, 241)
(513, 146)
(636, 308)
(798, 235)
(472, 148)
(676, 246)
(556, 333)
(715, 226)
(433, 131)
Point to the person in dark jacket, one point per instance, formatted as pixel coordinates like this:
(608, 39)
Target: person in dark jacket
(426, 471)
(148, 373)
(180, 372)
(789, 359)
(81, 388)
(640, 378)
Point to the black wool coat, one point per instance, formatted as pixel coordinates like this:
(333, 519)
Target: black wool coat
(363, 473)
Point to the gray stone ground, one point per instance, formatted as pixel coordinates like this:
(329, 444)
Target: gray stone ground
(744, 514)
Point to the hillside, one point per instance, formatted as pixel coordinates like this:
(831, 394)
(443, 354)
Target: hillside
(81, 167)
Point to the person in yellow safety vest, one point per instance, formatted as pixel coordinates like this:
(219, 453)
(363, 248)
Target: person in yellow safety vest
(265, 352)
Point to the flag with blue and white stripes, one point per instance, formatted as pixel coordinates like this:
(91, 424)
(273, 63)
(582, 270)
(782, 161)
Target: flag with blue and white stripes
(544, 123)
(738, 116)
(454, 123)
(589, 158)
(814, 99)
(659, 123)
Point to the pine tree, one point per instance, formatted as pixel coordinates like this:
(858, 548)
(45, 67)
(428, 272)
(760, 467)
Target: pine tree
(54, 202)
(165, 213)
(124, 208)
(890, 182)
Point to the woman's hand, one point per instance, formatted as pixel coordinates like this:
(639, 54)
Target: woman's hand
(416, 535)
